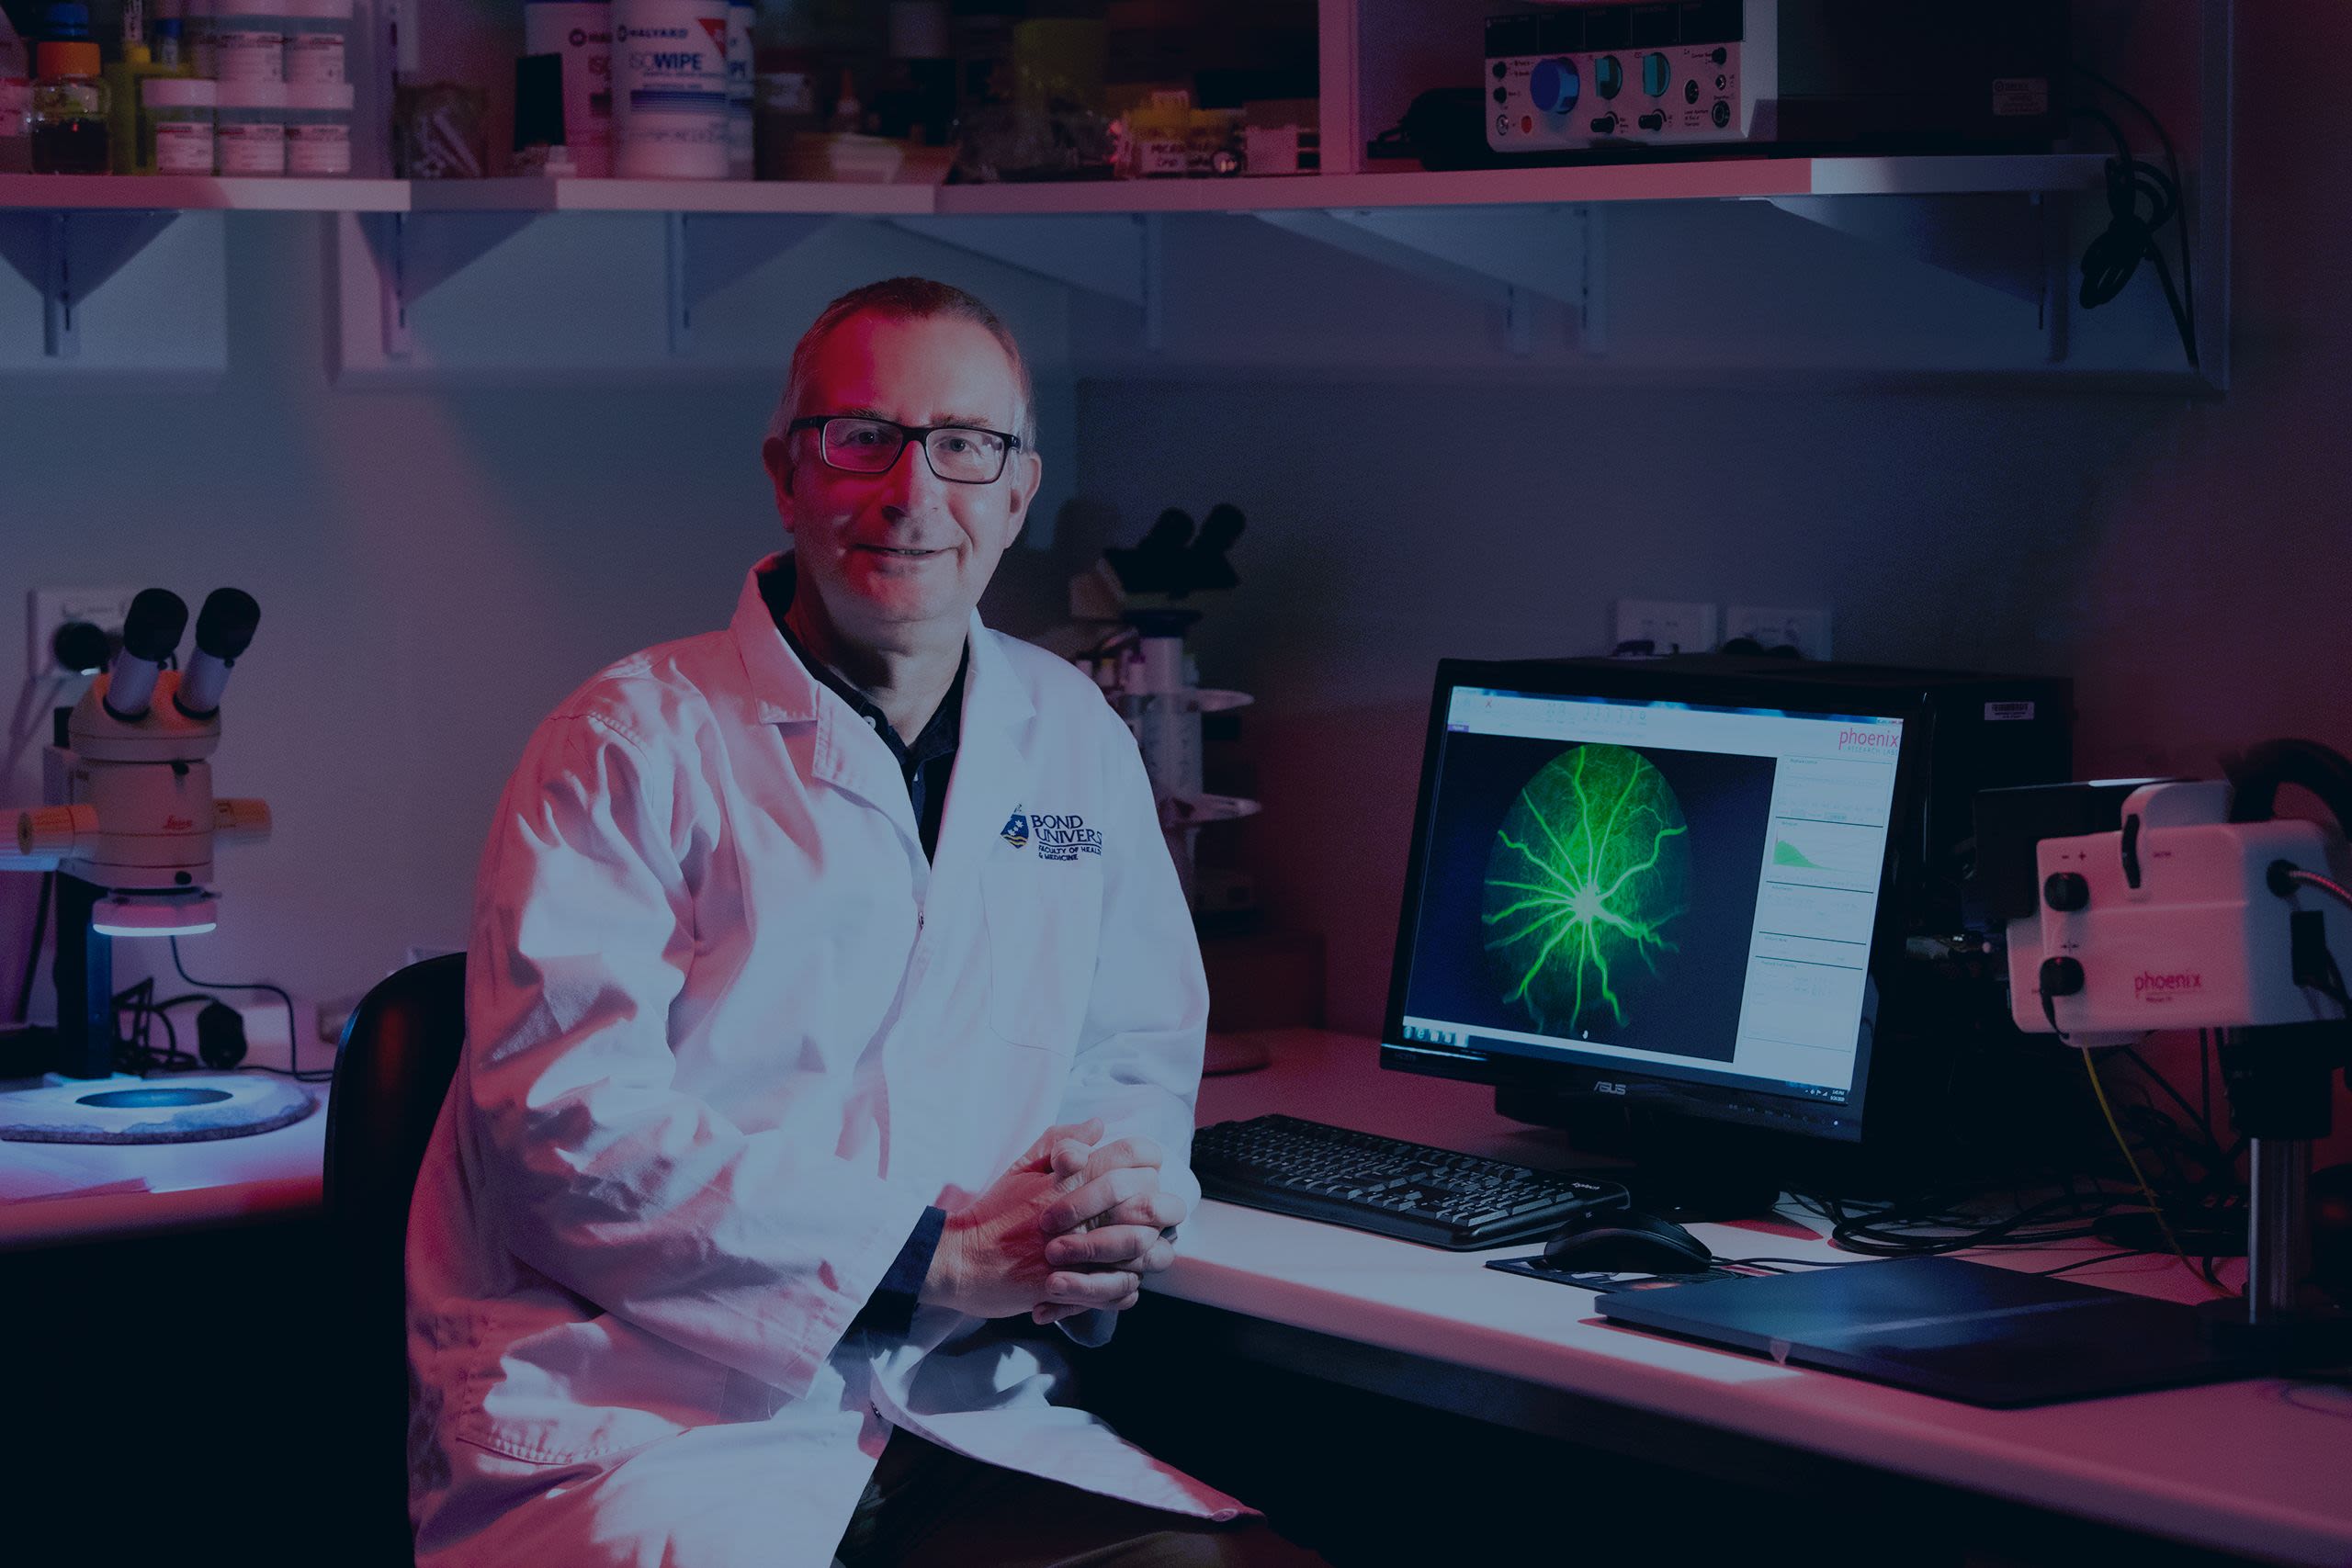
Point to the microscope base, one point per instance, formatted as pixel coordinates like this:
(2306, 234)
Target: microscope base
(2315, 1337)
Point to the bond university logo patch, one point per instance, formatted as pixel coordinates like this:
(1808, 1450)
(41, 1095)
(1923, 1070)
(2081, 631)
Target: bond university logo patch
(1063, 837)
(1058, 836)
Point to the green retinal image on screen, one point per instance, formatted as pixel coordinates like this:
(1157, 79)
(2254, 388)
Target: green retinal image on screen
(1589, 874)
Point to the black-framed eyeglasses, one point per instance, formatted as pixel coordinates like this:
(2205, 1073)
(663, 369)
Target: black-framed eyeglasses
(960, 454)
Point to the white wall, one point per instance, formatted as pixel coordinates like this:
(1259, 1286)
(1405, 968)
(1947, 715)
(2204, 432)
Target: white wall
(1391, 526)
(435, 571)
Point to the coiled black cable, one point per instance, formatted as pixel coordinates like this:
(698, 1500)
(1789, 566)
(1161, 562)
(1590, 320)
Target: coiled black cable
(2130, 237)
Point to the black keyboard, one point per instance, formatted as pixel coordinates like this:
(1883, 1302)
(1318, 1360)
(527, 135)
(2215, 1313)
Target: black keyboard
(1413, 1191)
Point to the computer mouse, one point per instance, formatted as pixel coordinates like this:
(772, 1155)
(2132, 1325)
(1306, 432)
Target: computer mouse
(1624, 1241)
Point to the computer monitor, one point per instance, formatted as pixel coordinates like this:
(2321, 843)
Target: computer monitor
(1664, 890)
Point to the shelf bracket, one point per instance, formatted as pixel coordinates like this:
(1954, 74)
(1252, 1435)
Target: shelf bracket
(417, 252)
(707, 251)
(1509, 257)
(1592, 287)
(1101, 254)
(1999, 241)
(67, 256)
(1114, 254)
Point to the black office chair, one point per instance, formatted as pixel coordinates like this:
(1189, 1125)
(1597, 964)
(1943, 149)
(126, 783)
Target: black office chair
(400, 1051)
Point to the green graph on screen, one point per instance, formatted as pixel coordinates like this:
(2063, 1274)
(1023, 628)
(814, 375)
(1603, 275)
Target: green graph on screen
(1787, 853)
(1589, 874)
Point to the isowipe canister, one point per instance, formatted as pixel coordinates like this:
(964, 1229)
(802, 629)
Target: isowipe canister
(249, 128)
(670, 89)
(581, 32)
(175, 125)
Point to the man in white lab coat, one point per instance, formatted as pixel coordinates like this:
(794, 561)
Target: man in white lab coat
(834, 1023)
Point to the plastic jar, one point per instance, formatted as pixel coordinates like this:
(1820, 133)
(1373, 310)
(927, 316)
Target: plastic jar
(317, 128)
(581, 32)
(249, 128)
(70, 133)
(249, 41)
(175, 125)
(318, 41)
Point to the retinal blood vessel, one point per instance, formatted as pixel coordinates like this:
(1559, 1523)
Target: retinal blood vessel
(1589, 874)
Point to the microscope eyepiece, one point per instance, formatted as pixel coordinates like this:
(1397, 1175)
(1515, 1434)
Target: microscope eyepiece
(150, 634)
(225, 627)
(223, 631)
(151, 629)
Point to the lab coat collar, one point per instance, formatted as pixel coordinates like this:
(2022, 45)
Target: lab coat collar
(780, 686)
(994, 695)
(787, 693)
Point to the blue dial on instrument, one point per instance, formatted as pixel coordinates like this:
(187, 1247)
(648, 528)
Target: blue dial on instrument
(1608, 76)
(1555, 86)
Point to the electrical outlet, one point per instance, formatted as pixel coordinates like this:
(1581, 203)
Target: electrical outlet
(1667, 626)
(1781, 626)
(46, 609)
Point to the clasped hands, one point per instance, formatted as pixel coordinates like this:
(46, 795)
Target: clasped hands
(1070, 1228)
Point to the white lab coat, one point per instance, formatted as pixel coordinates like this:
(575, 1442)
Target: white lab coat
(730, 1032)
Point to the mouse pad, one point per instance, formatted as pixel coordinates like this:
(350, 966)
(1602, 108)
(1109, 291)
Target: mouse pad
(1962, 1331)
(1533, 1266)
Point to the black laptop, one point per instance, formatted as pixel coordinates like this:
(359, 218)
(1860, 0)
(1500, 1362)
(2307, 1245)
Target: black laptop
(1963, 1331)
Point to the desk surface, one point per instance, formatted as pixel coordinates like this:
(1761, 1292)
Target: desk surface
(159, 1187)
(2261, 1467)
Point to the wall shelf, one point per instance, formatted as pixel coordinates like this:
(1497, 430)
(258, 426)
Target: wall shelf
(67, 234)
(197, 193)
(1695, 180)
(1956, 264)
(1106, 237)
(1703, 180)
(841, 198)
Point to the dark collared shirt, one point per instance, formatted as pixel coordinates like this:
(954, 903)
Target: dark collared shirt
(927, 763)
(930, 759)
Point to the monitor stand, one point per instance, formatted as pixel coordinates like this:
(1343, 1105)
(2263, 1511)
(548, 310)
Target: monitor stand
(1689, 1195)
(1687, 1171)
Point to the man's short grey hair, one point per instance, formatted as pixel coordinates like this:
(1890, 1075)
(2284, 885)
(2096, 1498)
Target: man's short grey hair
(905, 299)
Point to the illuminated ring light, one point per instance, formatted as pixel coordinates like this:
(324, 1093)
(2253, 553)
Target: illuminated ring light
(133, 914)
(181, 1108)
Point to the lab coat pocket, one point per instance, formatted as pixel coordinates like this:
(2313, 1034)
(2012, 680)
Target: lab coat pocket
(587, 1391)
(1045, 921)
